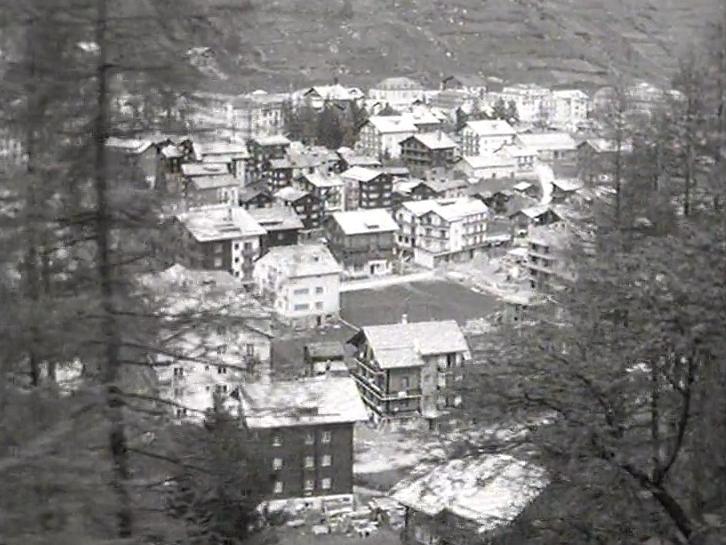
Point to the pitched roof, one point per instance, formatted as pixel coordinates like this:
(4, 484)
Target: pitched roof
(490, 491)
(548, 141)
(449, 209)
(535, 211)
(170, 151)
(374, 220)
(469, 80)
(305, 402)
(423, 338)
(392, 124)
(290, 194)
(396, 83)
(221, 148)
(214, 182)
(251, 191)
(567, 184)
(603, 145)
(360, 174)
(320, 180)
(204, 169)
(435, 140)
(130, 146)
(332, 92)
(301, 260)
(220, 222)
(491, 127)
(325, 349)
(276, 218)
(274, 140)
(488, 160)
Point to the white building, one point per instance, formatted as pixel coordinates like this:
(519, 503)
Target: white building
(489, 165)
(398, 92)
(570, 107)
(524, 158)
(485, 136)
(550, 146)
(229, 343)
(442, 230)
(234, 155)
(257, 114)
(303, 283)
(533, 101)
(381, 135)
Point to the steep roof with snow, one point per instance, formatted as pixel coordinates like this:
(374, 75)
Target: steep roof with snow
(374, 220)
(491, 127)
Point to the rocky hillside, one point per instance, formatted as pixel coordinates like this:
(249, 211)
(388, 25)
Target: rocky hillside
(282, 43)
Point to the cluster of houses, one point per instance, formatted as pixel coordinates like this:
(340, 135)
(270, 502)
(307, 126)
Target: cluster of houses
(264, 231)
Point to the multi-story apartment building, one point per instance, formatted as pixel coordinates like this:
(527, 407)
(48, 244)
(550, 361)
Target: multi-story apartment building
(424, 151)
(281, 224)
(234, 155)
(307, 206)
(329, 189)
(230, 345)
(381, 136)
(533, 101)
(258, 114)
(263, 149)
(362, 241)
(221, 238)
(367, 188)
(485, 136)
(443, 230)
(304, 431)
(411, 370)
(547, 263)
(570, 108)
(302, 282)
(397, 92)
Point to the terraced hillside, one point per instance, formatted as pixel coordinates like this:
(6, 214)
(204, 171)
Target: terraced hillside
(280, 43)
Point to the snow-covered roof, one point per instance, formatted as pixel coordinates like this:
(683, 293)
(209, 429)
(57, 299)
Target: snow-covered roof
(448, 209)
(214, 182)
(300, 260)
(535, 211)
(130, 146)
(320, 180)
(398, 83)
(333, 92)
(274, 140)
(603, 145)
(374, 220)
(548, 141)
(220, 151)
(392, 124)
(290, 194)
(515, 150)
(570, 94)
(490, 491)
(360, 174)
(567, 184)
(435, 140)
(488, 160)
(204, 169)
(398, 343)
(170, 151)
(220, 222)
(303, 402)
(491, 127)
(276, 218)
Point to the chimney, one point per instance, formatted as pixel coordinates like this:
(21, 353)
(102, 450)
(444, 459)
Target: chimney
(404, 318)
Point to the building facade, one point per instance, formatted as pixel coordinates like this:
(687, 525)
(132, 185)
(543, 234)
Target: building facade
(381, 136)
(485, 136)
(307, 206)
(367, 188)
(422, 152)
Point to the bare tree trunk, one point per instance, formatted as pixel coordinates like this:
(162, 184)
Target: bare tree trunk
(109, 328)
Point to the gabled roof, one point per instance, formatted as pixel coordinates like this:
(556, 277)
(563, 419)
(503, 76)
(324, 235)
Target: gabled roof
(374, 220)
(129, 146)
(603, 145)
(204, 169)
(276, 218)
(536, 211)
(291, 194)
(220, 222)
(392, 124)
(434, 140)
(301, 260)
(214, 182)
(490, 491)
(448, 209)
(424, 338)
(319, 180)
(251, 191)
(361, 174)
(331, 92)
(566, 184)
(303, 402)
(468, 80)
(325, 349)
(398, 83)
(274, 140)
(548, 141)
(491, 127)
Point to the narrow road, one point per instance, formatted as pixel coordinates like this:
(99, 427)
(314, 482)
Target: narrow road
(373, 283)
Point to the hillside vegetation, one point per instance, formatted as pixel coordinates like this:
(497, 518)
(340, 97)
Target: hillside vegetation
(282, 43)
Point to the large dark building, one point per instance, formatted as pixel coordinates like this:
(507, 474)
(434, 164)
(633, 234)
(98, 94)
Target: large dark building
(281, 223)
(422, 152)
(308, 207)
(304, 430)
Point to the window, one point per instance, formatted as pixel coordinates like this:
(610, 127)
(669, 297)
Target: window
(222, 349)
(277, 463)
(309, 438)
(326, 484)
(217, 262)
(278, 487)
(250, 349)
(218, 248)
(221, 388)
(181, 412)
(309, 462)
(236, 245)
(178, 371)
(303, 306)
(404, 382)
(319, 289)
(248, 246)
(327, 460)
(326, 437)
(221, 370)
(319, 305)
(277, 440)
(309, 484)
(177, 392)
(301, 291)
